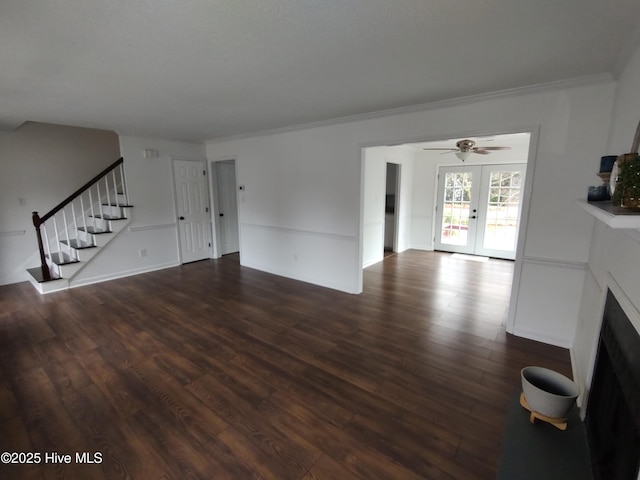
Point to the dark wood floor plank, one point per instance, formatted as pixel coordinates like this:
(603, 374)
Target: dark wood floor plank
(184, 457)
(298, 386)
(119, 387)
(326, 468)
(46, 419)
(213, 370)
(292, 452)
(124, 455)
(8, 404)
(15, 438)
(185, 411)
(360, 458)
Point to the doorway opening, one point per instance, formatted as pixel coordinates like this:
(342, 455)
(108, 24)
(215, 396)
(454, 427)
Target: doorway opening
(391, 208)
(422, 222)
(225, 207)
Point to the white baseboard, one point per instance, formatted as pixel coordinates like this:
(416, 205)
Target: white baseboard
(428, 248)
(372, 262)
(541, 337)
(125, 273)
(342, 287)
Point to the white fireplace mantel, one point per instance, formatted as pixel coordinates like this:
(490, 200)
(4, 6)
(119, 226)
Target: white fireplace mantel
(614, 217)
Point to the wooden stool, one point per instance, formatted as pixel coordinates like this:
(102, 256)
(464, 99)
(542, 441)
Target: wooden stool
(560, 423)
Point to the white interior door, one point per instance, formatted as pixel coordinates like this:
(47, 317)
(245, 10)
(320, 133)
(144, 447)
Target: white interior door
(478, 209)
(227, 207)
(194, 223)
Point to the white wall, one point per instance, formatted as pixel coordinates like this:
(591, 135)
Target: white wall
(615, 255)
(153, 226)
(306, 184)
(299, 204)
(42, 164)
(375, 161)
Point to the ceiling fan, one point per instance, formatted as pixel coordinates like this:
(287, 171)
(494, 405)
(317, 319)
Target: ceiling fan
(466, 147)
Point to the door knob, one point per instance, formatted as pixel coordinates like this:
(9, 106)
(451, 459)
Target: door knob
(181, 218)
(222, 214)
(473, 216)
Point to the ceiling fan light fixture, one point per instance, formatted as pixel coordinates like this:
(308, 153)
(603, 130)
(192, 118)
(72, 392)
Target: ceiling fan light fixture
(463, 155)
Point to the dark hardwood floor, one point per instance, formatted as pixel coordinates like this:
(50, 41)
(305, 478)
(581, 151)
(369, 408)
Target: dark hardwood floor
(215, 371)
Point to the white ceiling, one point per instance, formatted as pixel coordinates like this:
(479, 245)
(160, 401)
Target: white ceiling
(205, 69)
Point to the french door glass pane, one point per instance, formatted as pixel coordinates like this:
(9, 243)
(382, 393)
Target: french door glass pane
(455, 213)
(501, 225)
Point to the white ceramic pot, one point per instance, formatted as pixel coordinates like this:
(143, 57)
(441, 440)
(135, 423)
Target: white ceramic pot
(547, 392)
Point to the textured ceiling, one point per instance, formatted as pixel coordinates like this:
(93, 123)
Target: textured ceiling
(205, 69)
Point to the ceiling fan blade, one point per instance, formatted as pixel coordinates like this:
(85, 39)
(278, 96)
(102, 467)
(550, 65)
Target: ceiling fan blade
(481, 151)
(449, 149)
(495, 148)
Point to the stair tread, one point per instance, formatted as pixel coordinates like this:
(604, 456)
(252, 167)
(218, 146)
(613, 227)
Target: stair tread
(61, 258)
(114, 204)
(36, 273)
(78, 244)
(94, 230)
(106, 216)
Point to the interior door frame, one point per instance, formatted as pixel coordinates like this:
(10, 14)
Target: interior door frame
(215, 207)
(534, 133)
(203, 164)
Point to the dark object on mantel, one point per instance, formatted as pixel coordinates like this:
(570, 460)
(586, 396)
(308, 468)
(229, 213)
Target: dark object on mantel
(541, 451)
(606, 163)
(599, 193)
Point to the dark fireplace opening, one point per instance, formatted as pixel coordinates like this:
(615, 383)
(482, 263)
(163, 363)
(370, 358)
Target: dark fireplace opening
(613, 410)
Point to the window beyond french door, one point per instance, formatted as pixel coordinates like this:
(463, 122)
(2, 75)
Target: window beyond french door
(478, 209)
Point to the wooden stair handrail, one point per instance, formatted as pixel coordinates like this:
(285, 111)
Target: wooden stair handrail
(38, 220)
(76, 194)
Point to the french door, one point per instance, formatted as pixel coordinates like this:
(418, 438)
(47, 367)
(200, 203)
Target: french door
(478, 209)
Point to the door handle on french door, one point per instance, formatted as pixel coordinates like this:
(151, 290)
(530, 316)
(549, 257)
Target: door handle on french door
(473, 216)
(181, 218)
(222, 214)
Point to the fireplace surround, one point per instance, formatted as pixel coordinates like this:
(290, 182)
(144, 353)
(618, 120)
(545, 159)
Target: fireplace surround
(613, 411)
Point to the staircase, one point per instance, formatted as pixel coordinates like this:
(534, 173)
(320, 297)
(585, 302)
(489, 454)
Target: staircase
(77, 229)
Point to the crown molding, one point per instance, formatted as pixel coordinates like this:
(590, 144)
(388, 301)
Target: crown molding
(587, 80)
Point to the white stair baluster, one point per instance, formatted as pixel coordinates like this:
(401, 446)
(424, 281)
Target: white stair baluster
(123, 185)
(115, 188)
(75, 229)
(84, 215)
(57, 237)
(106, 183)
(66, 231)
(47, 247)
(99, 199)
(93, 213)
